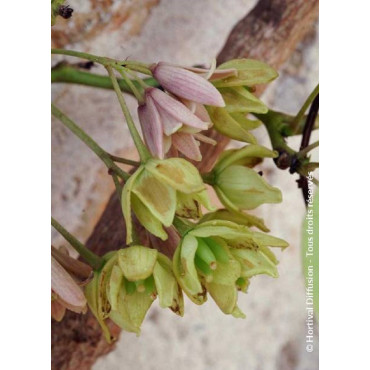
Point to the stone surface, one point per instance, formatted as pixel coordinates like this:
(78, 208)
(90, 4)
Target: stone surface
(273, 334)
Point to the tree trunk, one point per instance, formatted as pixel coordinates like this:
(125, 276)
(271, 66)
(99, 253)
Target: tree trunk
(270, 32)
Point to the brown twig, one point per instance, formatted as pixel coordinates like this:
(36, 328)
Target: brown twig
(307, 130)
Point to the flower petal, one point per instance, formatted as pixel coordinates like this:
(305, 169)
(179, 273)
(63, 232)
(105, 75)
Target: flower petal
(245, 188)
(151, 127)
(177, 173)
(185, 271)
(250, 72)
(187, 145)
(66, 288)
(225, 296)
(137, 262)
(126, 202)
(174, 108)
(254, 262)
(157, 196)
(146, 218)
(228, 126)
(57, 310)
(187, 84)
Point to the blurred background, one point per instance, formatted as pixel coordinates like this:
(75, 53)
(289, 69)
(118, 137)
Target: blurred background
(184, 32)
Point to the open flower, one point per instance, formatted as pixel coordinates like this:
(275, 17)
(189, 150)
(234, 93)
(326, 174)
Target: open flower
(127, 285)
(220, 257)
(158, 190)
(67, 275)
(237, 185)
(165, 121)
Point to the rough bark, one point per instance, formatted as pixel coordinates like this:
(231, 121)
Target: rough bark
(270, 32)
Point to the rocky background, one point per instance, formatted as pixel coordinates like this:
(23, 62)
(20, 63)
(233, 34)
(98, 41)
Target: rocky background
(187, 32)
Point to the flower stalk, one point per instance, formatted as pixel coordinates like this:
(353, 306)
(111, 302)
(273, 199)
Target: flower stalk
(140, 146)
(94, 261)
(132, 64)
(302, 111)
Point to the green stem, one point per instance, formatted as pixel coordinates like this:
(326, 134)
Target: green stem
(68, 74)
(118, 185)
(305, 106)
(181, 226)
(140, 146)
(273, 124)
(307, 149)
(138, 95)
(124, 160)
(87, 56)
(94, 261)
(100, 152)
(131, 64)
(209, 177)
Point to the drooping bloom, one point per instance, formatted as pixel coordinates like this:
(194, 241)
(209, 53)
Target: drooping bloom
(219, 257)
(237, 185)
(165, 121)
(127, 285)
(158, 190)
(67, 277)
(186, 84)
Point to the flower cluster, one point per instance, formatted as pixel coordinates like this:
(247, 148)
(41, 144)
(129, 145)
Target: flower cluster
(216, 253)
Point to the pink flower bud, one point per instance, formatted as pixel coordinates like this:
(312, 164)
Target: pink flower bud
(69, 294)
(151, 127)
(187, 85)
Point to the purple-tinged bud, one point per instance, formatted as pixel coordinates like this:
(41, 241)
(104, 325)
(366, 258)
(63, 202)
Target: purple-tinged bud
(186, 84)
(151, 127)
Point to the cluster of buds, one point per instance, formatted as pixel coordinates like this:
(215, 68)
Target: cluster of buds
(129, 282)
